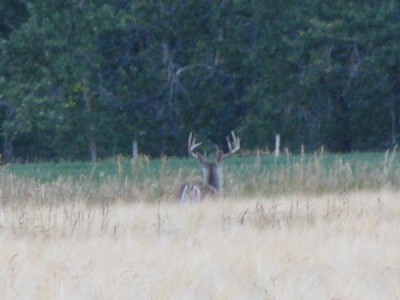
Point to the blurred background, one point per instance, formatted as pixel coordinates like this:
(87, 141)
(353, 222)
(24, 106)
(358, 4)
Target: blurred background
(84, 79)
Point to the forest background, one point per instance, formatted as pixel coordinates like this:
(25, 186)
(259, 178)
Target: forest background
(82, 79)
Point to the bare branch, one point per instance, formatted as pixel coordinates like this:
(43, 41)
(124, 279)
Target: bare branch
(183, 69)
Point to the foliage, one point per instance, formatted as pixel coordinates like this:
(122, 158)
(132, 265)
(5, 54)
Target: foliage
(82, 79)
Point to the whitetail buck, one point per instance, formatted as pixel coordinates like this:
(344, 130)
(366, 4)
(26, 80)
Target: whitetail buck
(213, 181)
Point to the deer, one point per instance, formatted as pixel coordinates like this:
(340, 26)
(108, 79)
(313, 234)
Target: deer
(213, 181)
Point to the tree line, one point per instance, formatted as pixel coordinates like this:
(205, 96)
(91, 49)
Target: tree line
(82, 79)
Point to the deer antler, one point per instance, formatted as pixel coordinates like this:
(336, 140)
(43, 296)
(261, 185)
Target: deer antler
(233, 146)
(192, 145)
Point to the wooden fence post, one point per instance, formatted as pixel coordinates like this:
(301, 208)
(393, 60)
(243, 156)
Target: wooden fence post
(277, 145)
(134, 149)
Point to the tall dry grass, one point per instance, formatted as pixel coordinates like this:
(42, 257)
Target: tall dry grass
(149, 180)
(65, 240)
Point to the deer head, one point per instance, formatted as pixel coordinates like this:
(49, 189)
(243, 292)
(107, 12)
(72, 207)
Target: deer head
(213, 171)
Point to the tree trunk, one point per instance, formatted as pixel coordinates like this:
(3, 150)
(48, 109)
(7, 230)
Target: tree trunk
(91, 129)
(8, 150)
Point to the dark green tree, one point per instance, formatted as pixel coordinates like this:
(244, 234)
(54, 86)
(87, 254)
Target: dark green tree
(52, 78)
(81, 79)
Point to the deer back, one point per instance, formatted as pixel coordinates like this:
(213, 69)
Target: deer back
(195, 191)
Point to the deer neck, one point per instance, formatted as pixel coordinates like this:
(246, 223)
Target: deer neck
(213, 175)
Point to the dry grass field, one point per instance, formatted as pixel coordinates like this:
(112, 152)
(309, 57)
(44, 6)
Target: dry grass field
(331, 246)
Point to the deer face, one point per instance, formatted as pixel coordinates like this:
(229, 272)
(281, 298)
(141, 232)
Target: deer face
(213, 174)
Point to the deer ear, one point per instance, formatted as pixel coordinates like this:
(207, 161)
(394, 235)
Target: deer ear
(219, 156)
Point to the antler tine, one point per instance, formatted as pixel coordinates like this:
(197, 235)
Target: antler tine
(233, 146)
(192, 145)
(236, 143)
